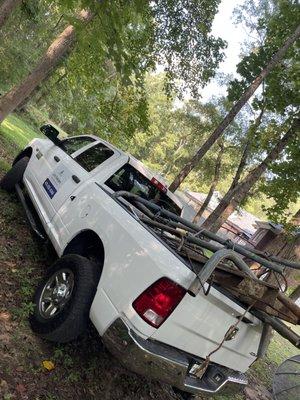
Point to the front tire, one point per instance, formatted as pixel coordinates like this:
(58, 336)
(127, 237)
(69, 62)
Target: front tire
(63, 299)
(14, 175)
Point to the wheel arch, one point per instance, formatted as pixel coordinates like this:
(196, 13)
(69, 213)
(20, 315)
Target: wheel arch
(87, 244)
(25, 153)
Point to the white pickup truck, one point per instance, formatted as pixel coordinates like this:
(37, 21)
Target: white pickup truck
(115, 270)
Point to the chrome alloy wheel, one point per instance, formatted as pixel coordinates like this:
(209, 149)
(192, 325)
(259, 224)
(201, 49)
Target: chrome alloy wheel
(56, 293)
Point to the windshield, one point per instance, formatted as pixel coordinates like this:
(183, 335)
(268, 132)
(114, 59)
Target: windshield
(130, 179)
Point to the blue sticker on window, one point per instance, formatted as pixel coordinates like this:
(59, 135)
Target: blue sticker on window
(50, 189)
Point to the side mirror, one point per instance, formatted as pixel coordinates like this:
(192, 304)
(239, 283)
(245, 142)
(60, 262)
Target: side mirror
(51, 133)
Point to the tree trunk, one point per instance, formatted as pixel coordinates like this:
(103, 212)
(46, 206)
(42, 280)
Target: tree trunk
(220, 215)
(241, 167)
(213, 185)
(6, 8)
(286, 246)
(233, 112)
(42, 93)
(58, 49)
(230, 192)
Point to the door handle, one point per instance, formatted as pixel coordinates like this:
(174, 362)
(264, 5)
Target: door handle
(75, 179)
(57, 159)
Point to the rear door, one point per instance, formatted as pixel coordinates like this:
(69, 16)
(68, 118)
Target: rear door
(82, 168)
(56, 175)
(76, 170)
(64, 176)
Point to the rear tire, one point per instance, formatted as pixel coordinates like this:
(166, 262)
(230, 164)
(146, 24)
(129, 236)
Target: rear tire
(14, 175)
(72, 320)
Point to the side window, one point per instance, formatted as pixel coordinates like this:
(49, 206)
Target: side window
(73, 144)
(94, 156)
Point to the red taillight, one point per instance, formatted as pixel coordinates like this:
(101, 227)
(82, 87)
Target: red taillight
(157, 302)
(159, 185)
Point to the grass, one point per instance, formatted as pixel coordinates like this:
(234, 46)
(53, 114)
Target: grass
(278, 351)
(16, 132)
(22, 260)
(14, 136)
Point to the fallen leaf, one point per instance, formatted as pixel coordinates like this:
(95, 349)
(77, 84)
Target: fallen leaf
(48, 365)
(20, 388)
(9, 264)
(3, 384)
(4, 316)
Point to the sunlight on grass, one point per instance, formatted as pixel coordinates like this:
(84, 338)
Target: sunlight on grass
(17, 131)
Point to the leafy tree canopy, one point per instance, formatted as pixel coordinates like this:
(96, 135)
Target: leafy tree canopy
(138, 35)
(269, 24)
(274, 21)
(100, 84)
(283, 183)
(174, 132)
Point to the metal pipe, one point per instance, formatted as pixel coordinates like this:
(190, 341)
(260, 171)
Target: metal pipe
(225, 242)
(279, 260)
(221, 255)
(279, 327)
(192, 239)
(144, 209)
(264, 340)
(290, 304)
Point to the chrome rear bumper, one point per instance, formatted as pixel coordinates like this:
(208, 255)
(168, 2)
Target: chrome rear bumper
(161, 362)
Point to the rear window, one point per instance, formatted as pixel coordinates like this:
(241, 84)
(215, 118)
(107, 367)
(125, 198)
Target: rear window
(94, 156)
(73, 144)
(129, 179)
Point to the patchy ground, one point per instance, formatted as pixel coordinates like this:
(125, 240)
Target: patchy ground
(82, 369)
